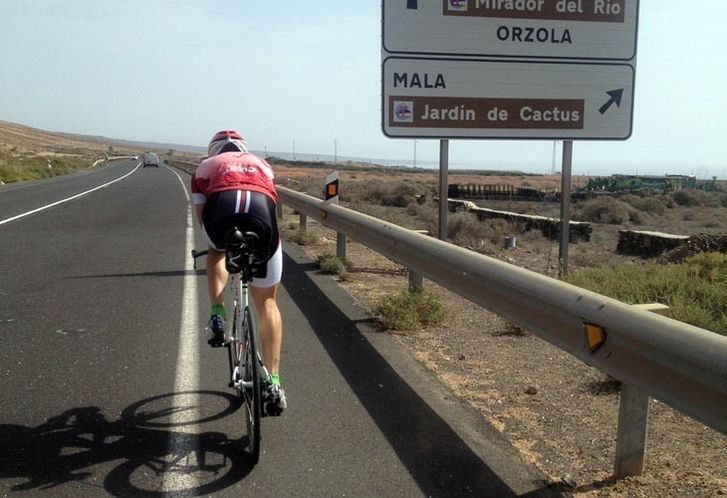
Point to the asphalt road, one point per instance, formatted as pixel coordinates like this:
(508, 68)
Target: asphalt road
(107, 388)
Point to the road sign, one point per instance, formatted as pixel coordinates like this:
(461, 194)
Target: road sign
(527, 69)
(544, 29)
(436, 98)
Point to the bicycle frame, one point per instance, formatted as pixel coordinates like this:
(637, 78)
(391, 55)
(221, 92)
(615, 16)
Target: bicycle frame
(240, 302)
(247, 368)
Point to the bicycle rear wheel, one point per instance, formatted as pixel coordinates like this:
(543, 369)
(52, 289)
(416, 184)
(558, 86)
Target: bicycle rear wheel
(251, 391)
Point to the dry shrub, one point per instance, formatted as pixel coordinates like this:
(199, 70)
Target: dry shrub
(14, 169)
(607, 210)
(410, 310)
(428, 213)
(695, 290)
(464, 229)
(716, 200)
(399, 194)
(395, 215)
(652, 204)
(689, 197)
(332, 265)
(304, 237)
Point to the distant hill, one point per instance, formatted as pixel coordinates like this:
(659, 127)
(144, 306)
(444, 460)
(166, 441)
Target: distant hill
(21, 140)
(29, 153)
(159, 146)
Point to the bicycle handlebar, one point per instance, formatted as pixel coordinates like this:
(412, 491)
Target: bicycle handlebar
(196, 254)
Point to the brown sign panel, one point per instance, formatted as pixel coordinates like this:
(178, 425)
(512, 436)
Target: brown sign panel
(555, 10)
(481, 113)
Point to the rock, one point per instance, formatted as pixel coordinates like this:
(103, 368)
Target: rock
(531, 390)
(696, 244)
(569, 481)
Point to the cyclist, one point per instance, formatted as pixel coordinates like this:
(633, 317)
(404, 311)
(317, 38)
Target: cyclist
(232, 185)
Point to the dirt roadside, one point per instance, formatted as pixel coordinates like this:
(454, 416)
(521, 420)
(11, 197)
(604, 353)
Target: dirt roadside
(558, 412)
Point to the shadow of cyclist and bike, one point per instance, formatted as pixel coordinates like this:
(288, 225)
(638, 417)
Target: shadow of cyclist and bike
(65, 448)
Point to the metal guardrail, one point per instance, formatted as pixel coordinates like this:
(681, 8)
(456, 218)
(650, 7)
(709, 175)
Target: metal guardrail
(679, 364)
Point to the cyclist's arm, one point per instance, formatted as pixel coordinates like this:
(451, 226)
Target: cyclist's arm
(198, 196)
(198, 211)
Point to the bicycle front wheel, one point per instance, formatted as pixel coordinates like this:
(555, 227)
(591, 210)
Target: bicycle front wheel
(251, 391)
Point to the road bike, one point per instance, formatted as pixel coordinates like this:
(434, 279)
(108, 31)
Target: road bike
(247, 369)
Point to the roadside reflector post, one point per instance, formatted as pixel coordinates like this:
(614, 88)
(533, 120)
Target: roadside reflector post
(633, 418)
(330, 194)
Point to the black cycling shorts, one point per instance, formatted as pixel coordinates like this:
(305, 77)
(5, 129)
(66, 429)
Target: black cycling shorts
(249, 211)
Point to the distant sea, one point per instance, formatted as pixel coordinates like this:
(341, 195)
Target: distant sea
(381, 162)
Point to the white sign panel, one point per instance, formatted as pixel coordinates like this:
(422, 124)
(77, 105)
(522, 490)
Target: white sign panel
(545, 69)
(557, 29)
(438, 98)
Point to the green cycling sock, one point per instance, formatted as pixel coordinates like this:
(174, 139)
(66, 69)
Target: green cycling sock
(219, 309)
(275, 379)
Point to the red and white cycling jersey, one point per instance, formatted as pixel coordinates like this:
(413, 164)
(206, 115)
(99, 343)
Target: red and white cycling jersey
(232, 171)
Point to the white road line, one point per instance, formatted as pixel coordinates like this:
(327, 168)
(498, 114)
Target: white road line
(176, 479)
(43, 208)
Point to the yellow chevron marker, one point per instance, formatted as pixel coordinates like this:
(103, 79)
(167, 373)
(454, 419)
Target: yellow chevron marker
(596, 336)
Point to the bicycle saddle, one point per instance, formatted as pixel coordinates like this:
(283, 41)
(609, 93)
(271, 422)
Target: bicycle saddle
(241, 242)
(239, 249)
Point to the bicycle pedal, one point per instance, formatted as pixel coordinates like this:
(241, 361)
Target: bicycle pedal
(273, 410)
(217, 344)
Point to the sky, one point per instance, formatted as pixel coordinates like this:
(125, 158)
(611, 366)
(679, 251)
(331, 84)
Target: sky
(307, 76)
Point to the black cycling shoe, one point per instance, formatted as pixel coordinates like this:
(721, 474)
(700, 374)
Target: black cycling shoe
(216, 331)
(274, 400)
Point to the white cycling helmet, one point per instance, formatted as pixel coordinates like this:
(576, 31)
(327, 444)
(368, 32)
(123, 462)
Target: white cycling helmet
(226, 141)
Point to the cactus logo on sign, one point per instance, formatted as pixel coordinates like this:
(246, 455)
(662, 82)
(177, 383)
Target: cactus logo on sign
(457, 5)
(403, 111)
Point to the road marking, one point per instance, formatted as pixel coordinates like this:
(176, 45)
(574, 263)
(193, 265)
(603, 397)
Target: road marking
(180, 475)
(43, 208)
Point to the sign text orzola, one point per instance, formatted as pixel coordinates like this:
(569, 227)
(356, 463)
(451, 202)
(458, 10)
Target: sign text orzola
(540, 69)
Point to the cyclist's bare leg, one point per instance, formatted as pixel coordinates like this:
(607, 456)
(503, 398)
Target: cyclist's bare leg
(216, 276)
(270, 325)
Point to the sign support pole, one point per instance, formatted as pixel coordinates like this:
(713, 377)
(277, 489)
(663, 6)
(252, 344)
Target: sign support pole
(565, 184)
(443, 189)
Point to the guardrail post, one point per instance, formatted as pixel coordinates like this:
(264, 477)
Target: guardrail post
(303, 222)
(633, 417)
(279, 210)
(416, 281)
(341, 246)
